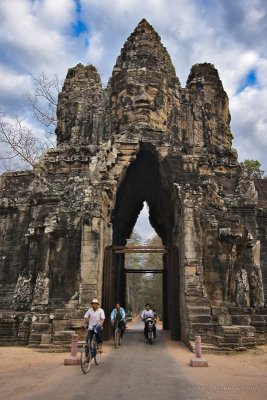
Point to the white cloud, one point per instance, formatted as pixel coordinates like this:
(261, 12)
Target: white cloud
(96, 51)
(250, 123)
(56, 14)
(12, 88)
(35, 35)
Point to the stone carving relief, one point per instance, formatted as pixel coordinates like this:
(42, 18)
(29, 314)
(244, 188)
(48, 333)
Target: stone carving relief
(247, 190)
(257, 294)
(22, 297)
(41, 290)
(142, 104)
(242, 289)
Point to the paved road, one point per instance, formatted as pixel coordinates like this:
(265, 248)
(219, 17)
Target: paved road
(134, 371)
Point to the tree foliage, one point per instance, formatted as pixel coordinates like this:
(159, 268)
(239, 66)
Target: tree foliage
(144, 288)
(134, 280)
(252, 169)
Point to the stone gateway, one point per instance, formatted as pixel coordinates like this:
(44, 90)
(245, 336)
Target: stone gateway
(142, 138)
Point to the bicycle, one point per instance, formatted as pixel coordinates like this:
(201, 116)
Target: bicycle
(117, 334)
(89, 352)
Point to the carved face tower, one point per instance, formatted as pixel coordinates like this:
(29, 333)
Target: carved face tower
(142, 82)
(144, 138)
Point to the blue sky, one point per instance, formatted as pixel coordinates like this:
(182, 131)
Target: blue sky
(53, 35)
(249, 80)
(142, 226)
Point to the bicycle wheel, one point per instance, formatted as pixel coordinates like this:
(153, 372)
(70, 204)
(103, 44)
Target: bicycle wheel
(86, 358)
(116, 337)
(95, 352)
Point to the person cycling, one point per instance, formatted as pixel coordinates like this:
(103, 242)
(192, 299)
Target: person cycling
(93, 320)
(148, 313)
(118, 314)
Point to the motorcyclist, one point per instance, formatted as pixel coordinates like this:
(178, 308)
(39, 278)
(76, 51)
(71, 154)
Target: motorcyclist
(148, 313)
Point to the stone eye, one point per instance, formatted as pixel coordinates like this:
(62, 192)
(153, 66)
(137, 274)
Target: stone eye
(131, 91)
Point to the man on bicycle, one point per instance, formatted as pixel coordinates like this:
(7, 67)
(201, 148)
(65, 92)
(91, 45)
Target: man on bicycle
(93, 320)
(118, 314)
(148, 313)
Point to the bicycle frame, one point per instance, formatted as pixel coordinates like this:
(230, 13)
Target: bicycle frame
(91, 342)
(117, 333)
(89, 352)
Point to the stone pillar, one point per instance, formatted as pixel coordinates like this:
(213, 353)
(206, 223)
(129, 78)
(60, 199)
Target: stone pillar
(198, 346)
(197, 361)
(41, 290)
(257, 291)
(73, 359)
(105, 240)
(89, 261)
(190, 253)
(190, 262)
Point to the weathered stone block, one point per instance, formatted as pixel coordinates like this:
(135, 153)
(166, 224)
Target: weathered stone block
(190, 270)
(224, 319)
(41, 327)
(60, 325)
(241, 319)
(46, 338)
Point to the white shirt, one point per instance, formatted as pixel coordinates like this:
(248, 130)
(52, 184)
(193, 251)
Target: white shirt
(94, 316)
(147, 314)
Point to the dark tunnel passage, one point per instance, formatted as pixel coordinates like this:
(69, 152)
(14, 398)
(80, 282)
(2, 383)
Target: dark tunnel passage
(142, 182)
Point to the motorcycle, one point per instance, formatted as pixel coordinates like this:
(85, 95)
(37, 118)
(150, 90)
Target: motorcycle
(150, 328)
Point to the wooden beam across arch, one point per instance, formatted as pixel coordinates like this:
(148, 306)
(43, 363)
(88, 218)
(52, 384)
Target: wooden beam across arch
(139, 249)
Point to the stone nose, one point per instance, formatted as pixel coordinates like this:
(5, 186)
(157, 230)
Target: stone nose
(142, 97)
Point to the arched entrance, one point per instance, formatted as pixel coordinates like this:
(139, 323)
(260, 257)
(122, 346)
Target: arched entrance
(147, 181)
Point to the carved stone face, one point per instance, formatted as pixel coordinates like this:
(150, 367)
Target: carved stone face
(142, 99)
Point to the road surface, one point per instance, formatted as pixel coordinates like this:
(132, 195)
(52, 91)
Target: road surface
(135, 371)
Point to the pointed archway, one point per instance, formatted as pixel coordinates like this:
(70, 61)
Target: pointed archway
(145, 181)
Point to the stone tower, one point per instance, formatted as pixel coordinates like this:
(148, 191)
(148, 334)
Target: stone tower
(142, 138)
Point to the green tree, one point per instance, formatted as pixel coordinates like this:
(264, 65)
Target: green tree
(154, 292)
(252, 169)
(134, 280)
(144, 288)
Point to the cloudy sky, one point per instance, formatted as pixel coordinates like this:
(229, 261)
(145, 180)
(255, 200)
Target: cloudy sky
(53, 35)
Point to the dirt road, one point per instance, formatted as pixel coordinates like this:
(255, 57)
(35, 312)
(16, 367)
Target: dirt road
(135, 371)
